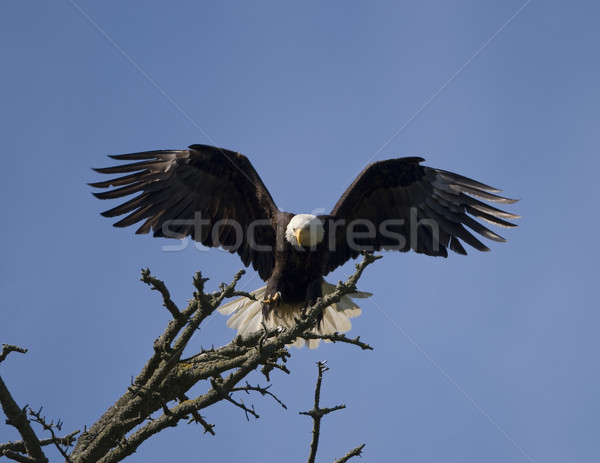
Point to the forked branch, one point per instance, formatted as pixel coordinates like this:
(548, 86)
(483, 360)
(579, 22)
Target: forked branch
(317, 413)
(157, 398)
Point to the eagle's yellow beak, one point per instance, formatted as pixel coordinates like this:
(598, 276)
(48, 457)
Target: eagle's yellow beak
(298, 234)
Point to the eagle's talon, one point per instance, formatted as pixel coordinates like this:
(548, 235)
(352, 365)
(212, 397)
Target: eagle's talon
(274, 299)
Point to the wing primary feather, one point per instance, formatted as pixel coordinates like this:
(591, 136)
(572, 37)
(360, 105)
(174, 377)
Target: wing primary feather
(463, 200)
(126, 207)
(154, 165)
(451, 177)
(149, 223)
(461, 217)
(469, 201)
(456, 229)
(144, 155)
(482, 194)
(483, 231)
(125, 180)
(132, 218)
(142, 213)
(157, 201)
(121, 191)
(457, 247)
(489, 218)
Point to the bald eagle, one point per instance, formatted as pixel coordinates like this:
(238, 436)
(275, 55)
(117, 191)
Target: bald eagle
(216, 197)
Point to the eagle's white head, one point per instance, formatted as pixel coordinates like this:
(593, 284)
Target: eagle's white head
(305, 230)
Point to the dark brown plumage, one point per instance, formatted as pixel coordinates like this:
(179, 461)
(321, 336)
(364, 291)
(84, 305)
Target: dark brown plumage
(389, 190)
(219, 184)
(395, 204)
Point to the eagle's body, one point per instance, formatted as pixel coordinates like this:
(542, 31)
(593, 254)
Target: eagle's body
(298, 271)
(216, 197)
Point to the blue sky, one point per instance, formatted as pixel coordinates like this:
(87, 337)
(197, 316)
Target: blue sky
(486, 354)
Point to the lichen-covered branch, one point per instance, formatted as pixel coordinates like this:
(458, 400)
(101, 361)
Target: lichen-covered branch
(157, 398)
(8, 348)
(19, 446)
(17, 417)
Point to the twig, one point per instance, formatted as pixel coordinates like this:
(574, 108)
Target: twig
(317, 413)
(217, 386)
(338, 337)
(57, 441)
(352, 453)
(8, 348)
(240, 404)
(19, 446)
(17, 417)
(263, 390)
(158, 285)
(197, 418)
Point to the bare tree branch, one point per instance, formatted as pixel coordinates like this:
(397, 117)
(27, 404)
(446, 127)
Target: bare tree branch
(317, 413)
(8, 348)
(17, 417)
(30, 448)
(19, 446)
(18, 457)
(159, 286)
(157, 397)
(58, 442)
(263, 390)
(338, 337)
(352, 453)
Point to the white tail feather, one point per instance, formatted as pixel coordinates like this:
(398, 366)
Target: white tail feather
(246, 315)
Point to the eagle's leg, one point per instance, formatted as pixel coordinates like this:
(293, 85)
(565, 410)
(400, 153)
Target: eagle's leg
(270, 302)
(314, 291)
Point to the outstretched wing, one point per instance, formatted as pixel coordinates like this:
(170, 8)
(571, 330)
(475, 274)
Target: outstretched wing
(402, 205)
(211, 194)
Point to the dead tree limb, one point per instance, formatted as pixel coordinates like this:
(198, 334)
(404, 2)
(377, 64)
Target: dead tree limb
(317, 413)
(17, 417)
(157, 398)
